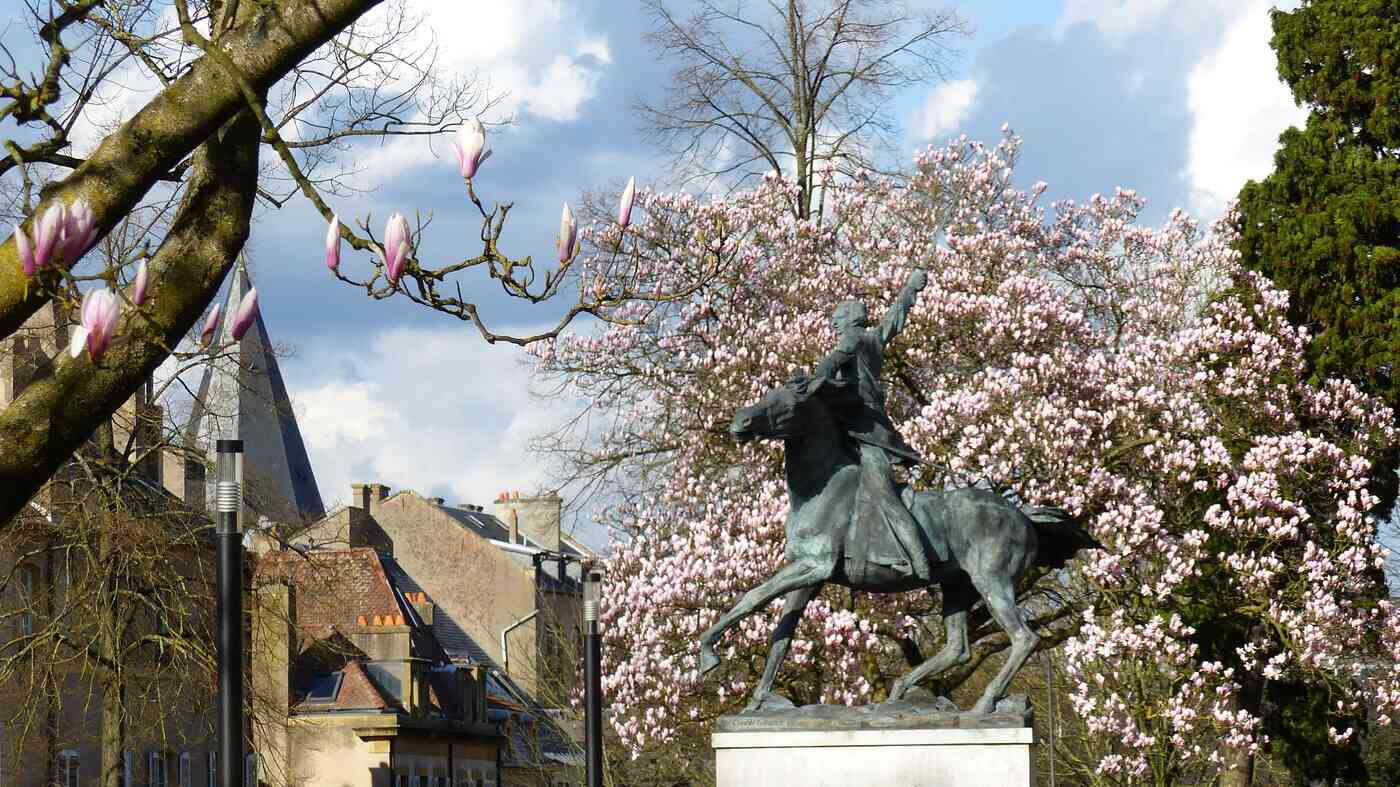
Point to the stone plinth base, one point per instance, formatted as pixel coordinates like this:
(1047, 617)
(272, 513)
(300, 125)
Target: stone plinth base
(848, 747)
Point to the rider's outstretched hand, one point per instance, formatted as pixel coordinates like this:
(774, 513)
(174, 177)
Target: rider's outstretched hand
(918, 279)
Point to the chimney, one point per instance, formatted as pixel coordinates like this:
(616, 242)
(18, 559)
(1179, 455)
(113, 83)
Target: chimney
(536, 518)
(272, 642)
(366, 495)
(359, 496)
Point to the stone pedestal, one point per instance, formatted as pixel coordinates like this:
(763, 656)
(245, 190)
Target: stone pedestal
(898, 745)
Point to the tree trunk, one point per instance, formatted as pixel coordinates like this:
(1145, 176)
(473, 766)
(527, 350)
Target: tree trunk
(113, 729)
(1239, 765)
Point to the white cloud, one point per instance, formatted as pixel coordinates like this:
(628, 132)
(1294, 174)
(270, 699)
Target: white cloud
(1117, 20)
(531, 51)
(946, 107)
(436, 410)
(1238, 108)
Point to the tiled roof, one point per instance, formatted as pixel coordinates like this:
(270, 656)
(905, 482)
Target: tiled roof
(342, 587)
(357, 692)
(242, 394)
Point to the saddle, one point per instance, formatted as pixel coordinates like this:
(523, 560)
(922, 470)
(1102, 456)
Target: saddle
(871, 540)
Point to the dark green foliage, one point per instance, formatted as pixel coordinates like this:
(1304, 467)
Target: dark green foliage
(1326, 224)
(1326, 227)
(1296, 720)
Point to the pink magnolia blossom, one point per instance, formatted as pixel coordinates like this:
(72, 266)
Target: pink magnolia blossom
(470, 147)
(624, 207)
(1135, 375)
(100, 311)
(567, 243)
(48, 231)
(138, 289)
(396, 246)
(246, 314)
(27, 263)
(79, 228)
(211, 326)
(333, 243)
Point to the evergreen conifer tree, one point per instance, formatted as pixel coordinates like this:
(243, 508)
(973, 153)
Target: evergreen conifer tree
(1325, 225)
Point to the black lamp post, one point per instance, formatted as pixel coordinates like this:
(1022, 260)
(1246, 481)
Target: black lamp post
(593, 675)
(228, 502)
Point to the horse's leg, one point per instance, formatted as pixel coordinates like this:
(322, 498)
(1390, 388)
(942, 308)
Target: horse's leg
(1000, 596)
(793, 608)
(790, 577)
(958, 598)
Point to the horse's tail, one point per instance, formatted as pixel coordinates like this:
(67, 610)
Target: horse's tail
(1060, 535)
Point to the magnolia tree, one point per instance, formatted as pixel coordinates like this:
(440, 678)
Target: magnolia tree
(1135, 376)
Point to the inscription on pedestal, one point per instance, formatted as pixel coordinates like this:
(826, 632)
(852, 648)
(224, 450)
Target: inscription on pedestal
(919, 743)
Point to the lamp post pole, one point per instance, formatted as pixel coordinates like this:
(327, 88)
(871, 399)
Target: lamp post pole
(229, 501)
(592, 675)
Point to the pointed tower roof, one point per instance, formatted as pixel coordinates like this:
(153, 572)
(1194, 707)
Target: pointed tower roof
(242, 396)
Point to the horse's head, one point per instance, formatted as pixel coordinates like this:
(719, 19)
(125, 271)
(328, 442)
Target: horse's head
(774, 417)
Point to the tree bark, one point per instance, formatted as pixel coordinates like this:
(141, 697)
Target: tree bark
(1239, 765)
(112, 727)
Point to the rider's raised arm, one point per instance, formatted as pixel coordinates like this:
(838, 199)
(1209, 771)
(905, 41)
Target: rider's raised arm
(846, 344)
(894, 319)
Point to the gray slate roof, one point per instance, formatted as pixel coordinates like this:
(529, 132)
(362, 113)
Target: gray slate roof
(456, 642)
(242, 395)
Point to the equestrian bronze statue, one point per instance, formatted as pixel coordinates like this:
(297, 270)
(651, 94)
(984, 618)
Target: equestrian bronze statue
(850, 525)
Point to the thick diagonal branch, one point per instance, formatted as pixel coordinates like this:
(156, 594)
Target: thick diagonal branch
(52, 418)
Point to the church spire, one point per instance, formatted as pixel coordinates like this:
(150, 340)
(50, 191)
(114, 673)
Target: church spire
(242, 395)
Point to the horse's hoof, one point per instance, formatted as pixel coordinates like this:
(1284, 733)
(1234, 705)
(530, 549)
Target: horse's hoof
(768, 701)
(708, 660)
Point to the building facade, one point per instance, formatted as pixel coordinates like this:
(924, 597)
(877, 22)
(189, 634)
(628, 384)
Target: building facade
(357, 689)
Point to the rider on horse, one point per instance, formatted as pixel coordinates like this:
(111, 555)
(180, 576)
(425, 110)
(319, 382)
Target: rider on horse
(854, 366)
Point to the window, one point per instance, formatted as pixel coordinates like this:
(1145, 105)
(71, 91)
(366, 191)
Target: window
(67, 768)
(323, 687)
(155, 769)
(28, 580)
(250, 770)
(65, 575)
(213, 770)
(184, 769)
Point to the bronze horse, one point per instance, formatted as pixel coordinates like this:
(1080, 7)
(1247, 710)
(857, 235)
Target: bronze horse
(978, 544)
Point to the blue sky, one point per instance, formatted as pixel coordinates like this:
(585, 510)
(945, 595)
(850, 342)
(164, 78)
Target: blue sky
(1175, 98)
(1178, 100)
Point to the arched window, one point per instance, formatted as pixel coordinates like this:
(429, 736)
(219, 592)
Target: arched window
(67, 769)
(155, 769)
